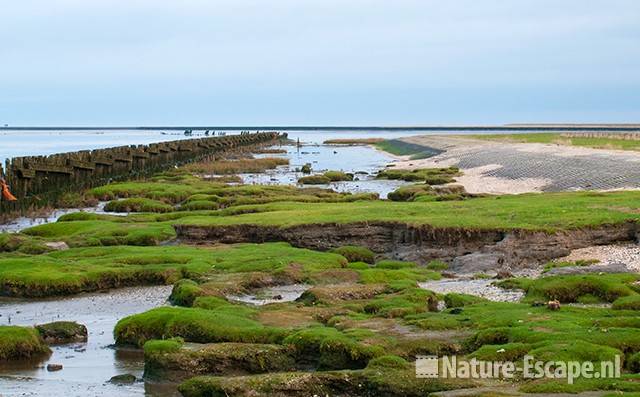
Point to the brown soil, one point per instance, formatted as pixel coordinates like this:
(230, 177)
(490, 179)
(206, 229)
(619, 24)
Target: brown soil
(503, 248)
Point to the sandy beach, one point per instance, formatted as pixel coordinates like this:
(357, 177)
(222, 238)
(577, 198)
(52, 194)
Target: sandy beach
(513, 168)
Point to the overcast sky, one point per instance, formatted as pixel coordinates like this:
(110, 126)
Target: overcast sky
(318, 62)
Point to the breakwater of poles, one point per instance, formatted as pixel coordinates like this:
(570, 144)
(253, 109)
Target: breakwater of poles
(40, 181)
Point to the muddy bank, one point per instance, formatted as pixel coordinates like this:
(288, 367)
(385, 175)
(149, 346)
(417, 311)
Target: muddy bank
(467, 250)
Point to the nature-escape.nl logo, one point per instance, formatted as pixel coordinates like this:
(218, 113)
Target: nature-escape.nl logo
(528, 368)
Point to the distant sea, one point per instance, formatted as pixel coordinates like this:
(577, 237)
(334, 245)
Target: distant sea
(16, 143)
(25, 142)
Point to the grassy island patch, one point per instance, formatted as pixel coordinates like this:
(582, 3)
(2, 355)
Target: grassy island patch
(549, 211)
(239, 166)
(430, 176)
(18, 343)
(137, 205)
(88, 269)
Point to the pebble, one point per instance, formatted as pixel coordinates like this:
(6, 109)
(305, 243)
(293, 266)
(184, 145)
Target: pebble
(628, 254)
(54, 367)
(477, 287)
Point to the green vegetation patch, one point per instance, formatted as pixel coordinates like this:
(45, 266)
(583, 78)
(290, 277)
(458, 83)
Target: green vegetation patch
(103, 232)
(137, 204)
(579, 263)
(239, 166)
(222, 324)
(169, 191)
(576, 288)
(89, 269)
(18, 343)
(20, 243)
(185, 292)
(355, 254)
(328, 348)
(627, 303)
(168, 360)
(431, 176)
(408, 301)
(546, 212)
(314, 180)
(62, 332)
(338, 176)
(375, 381)
(452, 300)
(402, 148)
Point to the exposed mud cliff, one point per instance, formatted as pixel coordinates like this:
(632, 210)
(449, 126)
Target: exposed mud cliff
(468, 250)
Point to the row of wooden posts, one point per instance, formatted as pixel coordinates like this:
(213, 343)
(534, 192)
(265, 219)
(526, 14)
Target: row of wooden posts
(40, 181)
(628, 136)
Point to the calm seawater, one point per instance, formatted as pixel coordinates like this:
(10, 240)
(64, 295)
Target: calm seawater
(33, 143)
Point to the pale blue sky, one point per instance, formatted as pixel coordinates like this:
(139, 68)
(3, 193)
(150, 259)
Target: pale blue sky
(318, 62)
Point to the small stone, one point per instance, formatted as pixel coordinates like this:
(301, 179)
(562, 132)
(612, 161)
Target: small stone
(553, 305)
(54, 367)
(503, 274)
(57, 245)
(277, 297)
(124, 379)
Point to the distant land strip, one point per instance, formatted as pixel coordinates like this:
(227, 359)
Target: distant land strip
(505, 127)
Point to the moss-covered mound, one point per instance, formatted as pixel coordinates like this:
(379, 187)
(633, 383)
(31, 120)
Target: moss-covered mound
(355, 253)
(62, 332)
(164, 362)
(89, 269)
(20, 243)
(314, 180)
(431, 176)
(424, 192)
(338, 176)
(592, 288)
(238, 166)
(376, 381)
(222, 324)
(18, 343)
(137, 204)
